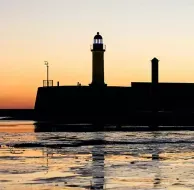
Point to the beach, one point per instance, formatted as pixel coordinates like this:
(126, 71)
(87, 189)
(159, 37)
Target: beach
(94, 160)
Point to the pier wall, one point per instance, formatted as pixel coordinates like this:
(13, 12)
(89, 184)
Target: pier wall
(83, 101)
(88, 104)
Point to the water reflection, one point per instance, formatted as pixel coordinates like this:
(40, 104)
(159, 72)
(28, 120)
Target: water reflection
(52, 159)
(98, 156)
(97, 151)
(98, 172)
(47, 154)
(156, 159)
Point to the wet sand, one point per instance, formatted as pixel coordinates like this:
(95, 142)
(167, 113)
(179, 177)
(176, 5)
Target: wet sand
(94, 160)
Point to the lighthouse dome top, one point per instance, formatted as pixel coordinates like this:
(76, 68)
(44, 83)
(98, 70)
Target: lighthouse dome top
(98, 36)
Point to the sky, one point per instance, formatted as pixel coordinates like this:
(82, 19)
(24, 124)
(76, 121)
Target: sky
(61, 32)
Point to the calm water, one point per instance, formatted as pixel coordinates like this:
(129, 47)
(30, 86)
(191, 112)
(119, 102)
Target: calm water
(94, 160)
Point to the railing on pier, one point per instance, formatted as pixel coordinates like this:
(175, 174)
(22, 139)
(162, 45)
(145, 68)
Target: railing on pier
(47, 83)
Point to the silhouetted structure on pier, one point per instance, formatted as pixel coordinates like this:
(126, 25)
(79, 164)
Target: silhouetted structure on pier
(140, 103)
(98, 50)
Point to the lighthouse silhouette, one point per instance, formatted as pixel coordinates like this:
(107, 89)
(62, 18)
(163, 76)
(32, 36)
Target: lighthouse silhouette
(98, 50)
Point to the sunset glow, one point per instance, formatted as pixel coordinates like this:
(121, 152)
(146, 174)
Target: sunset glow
(62, 31)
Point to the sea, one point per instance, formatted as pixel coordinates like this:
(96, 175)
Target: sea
(32, 159)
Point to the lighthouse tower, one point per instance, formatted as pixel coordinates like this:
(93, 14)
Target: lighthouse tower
(98, 50)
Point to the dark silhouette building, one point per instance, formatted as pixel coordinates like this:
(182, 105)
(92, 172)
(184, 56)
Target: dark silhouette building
(173, 103)
(155, 71)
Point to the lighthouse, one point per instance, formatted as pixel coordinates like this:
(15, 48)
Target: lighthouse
(98, 50)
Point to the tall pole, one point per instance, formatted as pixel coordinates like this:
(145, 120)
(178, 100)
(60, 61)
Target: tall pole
(154, 91)
(47, 66)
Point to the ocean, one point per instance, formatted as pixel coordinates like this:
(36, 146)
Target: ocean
(120, 160)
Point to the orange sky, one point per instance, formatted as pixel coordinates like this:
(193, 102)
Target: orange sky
(61, 33)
